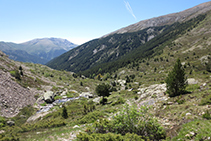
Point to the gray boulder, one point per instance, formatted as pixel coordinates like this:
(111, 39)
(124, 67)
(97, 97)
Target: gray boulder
(10, 123)
(49, 97)
(97, 100)
(86, 95)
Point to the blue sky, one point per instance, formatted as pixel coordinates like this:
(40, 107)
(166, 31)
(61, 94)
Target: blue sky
(78, 20)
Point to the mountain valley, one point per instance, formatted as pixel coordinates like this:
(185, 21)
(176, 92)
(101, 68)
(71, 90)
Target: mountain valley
(61, 101)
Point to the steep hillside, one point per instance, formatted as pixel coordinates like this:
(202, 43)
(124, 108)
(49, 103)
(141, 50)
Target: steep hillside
(37, 50)
(21, 84)
(116, 46)
(166, 19)
(104, 50)
(13, 96)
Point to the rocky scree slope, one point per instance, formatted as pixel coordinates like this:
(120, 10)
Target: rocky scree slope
(12, 96)
(19, 91)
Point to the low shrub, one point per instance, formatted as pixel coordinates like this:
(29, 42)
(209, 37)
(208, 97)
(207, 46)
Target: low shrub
(120, 100)
(88, 108)
(108, 137)
(207, 115)
(42, 124)
(23, 115)
(206, 100)
(2, 122)
(90, 117)
(129, 120)
(16, 74)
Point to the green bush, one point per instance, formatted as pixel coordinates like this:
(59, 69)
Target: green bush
(130, 120)
(140, 123)
(207, 115)
(90, 117)
(15, 74)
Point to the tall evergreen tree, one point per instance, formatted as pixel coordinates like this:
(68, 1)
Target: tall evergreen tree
(176, 81)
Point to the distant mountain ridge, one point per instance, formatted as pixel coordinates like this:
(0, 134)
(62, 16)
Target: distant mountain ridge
(39, 50)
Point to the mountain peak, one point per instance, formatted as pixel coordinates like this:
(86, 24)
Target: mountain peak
(40, 48)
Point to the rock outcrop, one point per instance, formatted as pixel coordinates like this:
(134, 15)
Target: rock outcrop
(152, 94)
(86, 95)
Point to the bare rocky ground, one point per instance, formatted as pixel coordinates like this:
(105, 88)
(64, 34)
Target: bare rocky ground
(13, 96)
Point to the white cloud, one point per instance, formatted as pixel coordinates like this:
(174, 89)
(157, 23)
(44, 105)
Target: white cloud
(127, 5)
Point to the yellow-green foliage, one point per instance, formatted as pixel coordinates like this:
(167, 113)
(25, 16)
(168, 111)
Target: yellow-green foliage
(43, 124)
(120, 100)
(128, 120)
(16, 74)
(24, 114)
(109, 137)
(2, 122)
(91, 117)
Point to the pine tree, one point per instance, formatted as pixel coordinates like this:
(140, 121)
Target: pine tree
(21, 70)
(103, 90)
(176, 81)
(64, 112)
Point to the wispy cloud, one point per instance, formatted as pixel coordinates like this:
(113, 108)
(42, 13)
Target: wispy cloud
(127, 5)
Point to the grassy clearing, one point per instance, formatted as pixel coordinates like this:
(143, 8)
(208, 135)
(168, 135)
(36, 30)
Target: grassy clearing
(195, 130)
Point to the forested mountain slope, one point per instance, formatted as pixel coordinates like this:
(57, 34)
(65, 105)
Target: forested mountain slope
(137, 41)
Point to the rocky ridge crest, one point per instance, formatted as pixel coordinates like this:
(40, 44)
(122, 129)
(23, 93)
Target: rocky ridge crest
(166, 19)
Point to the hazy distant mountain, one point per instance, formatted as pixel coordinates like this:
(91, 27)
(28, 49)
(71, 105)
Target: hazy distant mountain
(131, 43)
(38, 50)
